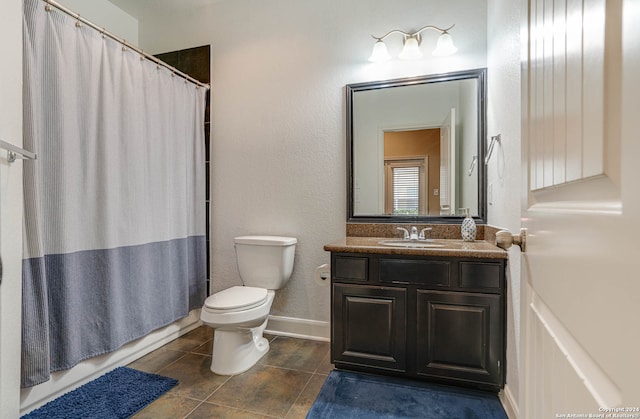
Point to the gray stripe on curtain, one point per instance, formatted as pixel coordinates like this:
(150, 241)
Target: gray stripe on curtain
(92, 302)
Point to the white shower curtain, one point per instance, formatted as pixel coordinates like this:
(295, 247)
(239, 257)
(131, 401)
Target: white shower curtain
(115, 202)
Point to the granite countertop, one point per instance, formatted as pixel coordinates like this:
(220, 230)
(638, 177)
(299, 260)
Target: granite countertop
(452, 248)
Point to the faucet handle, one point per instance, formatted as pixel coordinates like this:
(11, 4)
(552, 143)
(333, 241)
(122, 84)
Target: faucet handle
(422, 236)
(405, 232)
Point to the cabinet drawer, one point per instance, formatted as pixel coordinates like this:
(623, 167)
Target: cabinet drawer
(350, 268)
(427, 272)
(480, 275)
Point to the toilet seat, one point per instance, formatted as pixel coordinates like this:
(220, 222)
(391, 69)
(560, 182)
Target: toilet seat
(236, 298)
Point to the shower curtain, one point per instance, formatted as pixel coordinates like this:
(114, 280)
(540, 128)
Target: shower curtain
(114, 203)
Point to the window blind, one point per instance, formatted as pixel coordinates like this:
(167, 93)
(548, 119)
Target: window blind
(406, 190)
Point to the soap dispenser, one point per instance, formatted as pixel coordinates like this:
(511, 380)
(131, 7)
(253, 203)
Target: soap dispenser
(468, 227)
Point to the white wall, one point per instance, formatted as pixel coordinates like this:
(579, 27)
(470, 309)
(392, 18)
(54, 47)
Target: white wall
(504, 169)
(106, 15)
(278, 112)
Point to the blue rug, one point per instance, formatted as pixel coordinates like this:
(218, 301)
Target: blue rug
(117, 394)
(353, 395)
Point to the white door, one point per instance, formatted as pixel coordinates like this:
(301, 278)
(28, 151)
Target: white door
(448, 164)
(10, 207)
(581, 155)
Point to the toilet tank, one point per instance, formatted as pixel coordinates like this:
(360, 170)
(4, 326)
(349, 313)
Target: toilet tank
(265, 261)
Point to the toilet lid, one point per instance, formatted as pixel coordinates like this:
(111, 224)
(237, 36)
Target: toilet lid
(235, 298)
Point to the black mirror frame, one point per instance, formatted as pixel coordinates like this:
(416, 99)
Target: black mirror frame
(478, 74)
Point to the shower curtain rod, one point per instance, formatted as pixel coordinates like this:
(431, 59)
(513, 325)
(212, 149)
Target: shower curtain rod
(125, 44)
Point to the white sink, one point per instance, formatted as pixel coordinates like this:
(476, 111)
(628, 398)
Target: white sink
(409, 243)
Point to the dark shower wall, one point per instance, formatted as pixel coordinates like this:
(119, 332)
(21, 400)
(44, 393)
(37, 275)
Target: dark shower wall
(196, 63)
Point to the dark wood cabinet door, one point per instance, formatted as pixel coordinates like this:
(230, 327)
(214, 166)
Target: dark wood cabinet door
(460, 335)
(369, 326)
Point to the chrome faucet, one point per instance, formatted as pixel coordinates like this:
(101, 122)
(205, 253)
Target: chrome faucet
(422, 236)
(414, 233)
(405, 233)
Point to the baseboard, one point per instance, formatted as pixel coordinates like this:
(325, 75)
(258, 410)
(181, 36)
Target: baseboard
(64, 381)
(509, 403)
(298, 328)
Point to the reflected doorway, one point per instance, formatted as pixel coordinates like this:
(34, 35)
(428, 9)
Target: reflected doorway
(412, 172)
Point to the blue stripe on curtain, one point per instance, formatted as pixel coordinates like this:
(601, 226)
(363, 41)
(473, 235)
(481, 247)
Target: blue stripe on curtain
(114, 219)
(98, 300)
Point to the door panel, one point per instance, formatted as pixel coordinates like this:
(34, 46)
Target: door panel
(567, 85)
(448, 168)
(580, 208)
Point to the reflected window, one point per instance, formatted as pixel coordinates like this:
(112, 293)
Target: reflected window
(406, 186)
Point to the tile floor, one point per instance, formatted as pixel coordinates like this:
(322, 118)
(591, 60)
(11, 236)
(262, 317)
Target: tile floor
(284, 383)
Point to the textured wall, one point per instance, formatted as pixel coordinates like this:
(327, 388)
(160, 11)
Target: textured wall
(504, 169)
(278, 112)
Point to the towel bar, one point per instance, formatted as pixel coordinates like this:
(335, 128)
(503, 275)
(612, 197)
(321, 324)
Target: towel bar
(494, 139)
(14, 152)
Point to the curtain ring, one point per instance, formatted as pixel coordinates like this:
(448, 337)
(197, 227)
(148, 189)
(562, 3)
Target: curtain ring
(47, 6)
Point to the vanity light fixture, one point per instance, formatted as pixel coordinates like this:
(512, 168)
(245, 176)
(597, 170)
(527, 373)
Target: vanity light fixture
(411, 42)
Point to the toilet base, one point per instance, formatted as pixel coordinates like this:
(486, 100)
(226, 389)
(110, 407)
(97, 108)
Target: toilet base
(237, 350)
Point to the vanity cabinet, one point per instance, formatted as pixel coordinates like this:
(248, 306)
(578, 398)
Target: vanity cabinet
(428, 317)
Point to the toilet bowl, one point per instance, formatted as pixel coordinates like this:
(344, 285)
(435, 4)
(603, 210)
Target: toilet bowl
(239, 314)
(238, 343)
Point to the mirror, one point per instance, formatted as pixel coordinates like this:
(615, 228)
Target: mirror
(415, 148)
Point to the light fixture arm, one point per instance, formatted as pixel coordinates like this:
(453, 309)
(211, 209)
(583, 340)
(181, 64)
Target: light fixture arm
(382, 38)
(416, 33)
(434, 28)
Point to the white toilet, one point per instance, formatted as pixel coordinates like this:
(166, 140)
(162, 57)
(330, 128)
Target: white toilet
(239, 314)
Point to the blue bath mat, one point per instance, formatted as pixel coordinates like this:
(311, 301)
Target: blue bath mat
(353, 395)
(117, 394)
